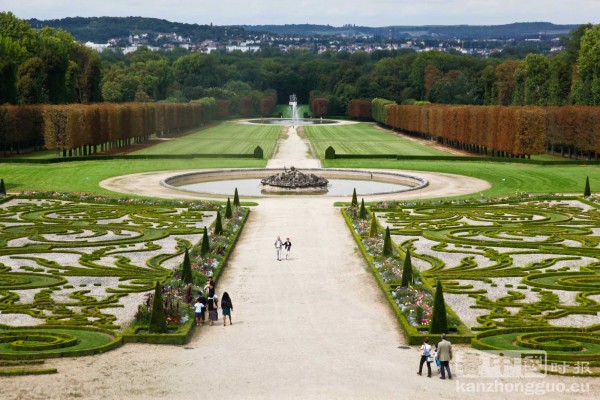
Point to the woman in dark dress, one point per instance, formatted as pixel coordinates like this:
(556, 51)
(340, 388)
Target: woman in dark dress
(226, 306)
(212, 310)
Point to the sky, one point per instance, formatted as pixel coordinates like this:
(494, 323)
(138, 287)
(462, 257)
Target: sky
(333, 12)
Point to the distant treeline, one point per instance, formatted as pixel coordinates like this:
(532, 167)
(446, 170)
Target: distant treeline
(47, 66)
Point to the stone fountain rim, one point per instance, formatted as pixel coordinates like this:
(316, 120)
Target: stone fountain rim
(337, 172)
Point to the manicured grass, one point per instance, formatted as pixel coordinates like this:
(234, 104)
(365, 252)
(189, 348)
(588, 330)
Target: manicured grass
(507, 179)
(364, 138)
(224, 138)
(84, 176)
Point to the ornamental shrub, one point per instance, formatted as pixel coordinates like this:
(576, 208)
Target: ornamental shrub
(158, 321)
(354, 198)
(258, 152)
(363, 210)
(2, 188)
(586, 192)
(236, 199)
(439, 321)
(374, 231)
(218, 224)
(330, 153)
(186, 269)
(407, 271)
(205, 247)
(228, 213)
(388, 250)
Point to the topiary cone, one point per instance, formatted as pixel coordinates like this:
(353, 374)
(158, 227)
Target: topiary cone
(205, 247)
(407, 272)
(587, 192)
(439, 321)
(354, 199)
(158, 321)
(388, 250)
(2, 188)
(228, 212)
(186, 269)
(363, 210)
(218, 224)
(374, 231)
(236, 199)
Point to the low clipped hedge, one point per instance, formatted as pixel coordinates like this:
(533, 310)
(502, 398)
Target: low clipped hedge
(182, 333)
(56, 351)
(412, 332)
(140, 334)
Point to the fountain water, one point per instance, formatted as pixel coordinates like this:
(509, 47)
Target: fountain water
(294, 109)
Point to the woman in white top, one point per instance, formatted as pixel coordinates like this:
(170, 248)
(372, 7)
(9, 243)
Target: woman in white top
(425, 357)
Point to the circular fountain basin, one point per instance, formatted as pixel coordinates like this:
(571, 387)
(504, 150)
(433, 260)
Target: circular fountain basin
(293, 122)
(342, 182)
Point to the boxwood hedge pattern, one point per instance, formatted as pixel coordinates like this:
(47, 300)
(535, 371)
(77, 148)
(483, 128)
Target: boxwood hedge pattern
(529, 269)
(67, 261)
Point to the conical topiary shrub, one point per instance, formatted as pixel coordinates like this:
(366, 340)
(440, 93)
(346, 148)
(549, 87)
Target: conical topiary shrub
(205, 247)
(363, 210)
(587, 192)
(439, 321)
(388, 250)
(158, 321)
(236, 199)
(354, 199)
(218, 224)
(373, 231)
(186, 268)
(228, 212)
(407, 272)
(2, 188)
(258, 152)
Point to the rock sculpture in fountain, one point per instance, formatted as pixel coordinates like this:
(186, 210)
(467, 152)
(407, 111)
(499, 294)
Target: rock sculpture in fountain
(292, 179)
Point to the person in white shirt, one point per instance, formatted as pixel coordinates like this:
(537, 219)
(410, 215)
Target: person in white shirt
(198, 310)
(425, 357)
(278, 246)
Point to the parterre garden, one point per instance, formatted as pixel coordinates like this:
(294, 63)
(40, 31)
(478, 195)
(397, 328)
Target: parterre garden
(518, 274)
(74, 270)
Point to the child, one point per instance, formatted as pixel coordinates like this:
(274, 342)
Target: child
(198, 308)
(226, 306)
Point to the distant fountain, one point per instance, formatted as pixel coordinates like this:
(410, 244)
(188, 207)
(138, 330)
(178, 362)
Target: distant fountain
(294, 109)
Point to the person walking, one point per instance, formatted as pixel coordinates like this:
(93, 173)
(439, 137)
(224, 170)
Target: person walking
(212, 310)
(278, 246)
(288, 246)
(202, 301)
(198, 311)
(226, 306)
(425, 358)
(444, 354)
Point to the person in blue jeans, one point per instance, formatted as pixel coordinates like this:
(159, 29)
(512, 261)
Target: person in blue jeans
(425, 354)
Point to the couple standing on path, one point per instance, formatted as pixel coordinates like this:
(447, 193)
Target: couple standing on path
(279, 246)
(442, 353)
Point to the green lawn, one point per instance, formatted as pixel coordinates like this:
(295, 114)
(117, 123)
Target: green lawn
(224, 138)
(364, 138)
(229, 137)
(507, 179)
(84, 176)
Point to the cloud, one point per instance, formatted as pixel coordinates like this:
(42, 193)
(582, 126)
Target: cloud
(334, 12)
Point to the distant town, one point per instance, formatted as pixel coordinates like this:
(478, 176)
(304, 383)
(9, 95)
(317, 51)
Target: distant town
(131, 33)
